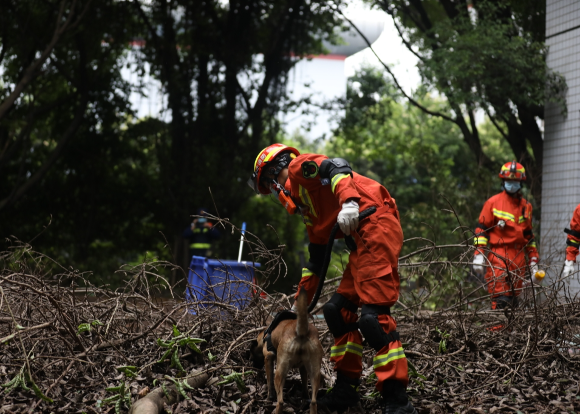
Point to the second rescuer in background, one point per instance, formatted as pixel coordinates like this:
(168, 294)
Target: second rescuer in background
(504, 234)
(573, 242)
(327, 191)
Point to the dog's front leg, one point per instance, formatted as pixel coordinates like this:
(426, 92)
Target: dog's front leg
(269, 365)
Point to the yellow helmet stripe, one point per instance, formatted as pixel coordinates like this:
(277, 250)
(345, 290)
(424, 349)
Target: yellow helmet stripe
(507, 168)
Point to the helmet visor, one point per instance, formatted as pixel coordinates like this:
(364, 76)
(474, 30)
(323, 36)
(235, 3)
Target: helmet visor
(253, 183)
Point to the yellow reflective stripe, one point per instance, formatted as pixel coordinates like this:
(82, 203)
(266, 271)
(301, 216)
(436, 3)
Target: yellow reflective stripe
(270, 156)
(336, 179)
(200, 245)
(520, 170)
(503, 215)
(305, 197)
(306, 272)
(522, 219)
(392, 355)
(532, 244)
(480, 241)
(570, 240)
(308, 221)
(352, 347)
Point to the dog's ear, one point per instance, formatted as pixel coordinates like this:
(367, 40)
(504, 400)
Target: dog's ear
(256, 355)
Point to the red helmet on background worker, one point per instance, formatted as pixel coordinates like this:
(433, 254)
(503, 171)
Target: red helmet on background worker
(513, 171)
(269, 160)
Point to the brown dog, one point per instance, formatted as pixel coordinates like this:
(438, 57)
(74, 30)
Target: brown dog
(297, 345)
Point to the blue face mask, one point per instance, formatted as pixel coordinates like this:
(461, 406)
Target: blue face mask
(512, 187)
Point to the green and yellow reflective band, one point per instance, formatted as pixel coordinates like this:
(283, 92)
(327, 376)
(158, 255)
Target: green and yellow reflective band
(503, 215)
(392, 355)
(336, 179)
(571, 241)
(308, 221)
(305, 197)
(480, 241)
(352, 347)
(522, 219)
(532, 244)
(306, 272)
(199, 245)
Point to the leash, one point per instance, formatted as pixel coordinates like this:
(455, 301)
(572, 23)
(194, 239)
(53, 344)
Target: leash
(368, 212)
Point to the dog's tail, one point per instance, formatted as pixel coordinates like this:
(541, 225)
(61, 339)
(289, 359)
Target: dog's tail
(302, 312)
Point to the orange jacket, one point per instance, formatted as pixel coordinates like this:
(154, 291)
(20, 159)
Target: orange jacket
(573, 240)
(517, 233)
(324, 197)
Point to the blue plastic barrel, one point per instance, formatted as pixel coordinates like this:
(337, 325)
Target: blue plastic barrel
(225, 281)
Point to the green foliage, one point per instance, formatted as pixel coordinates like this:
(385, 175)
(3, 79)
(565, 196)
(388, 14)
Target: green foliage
(490, 56)
(443, 342)
(23, 380)
(121, 397)
(180, 385)
(179, 340)
(237, 378)
(415, 376)
(130, 371)
(86, 327)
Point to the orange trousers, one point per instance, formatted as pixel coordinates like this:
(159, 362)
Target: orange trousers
(371, 278)
(506, 274)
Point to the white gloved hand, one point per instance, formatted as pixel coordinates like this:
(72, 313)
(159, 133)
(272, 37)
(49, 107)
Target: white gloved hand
(348, 217)
(478, 266)
(568, 268)
(501, 224)
(533, 267)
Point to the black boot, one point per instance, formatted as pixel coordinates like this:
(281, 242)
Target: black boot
(396, 400)
(342, 396)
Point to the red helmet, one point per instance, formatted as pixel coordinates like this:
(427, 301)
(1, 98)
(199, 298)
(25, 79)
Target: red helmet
(513, 171)
(264, 158)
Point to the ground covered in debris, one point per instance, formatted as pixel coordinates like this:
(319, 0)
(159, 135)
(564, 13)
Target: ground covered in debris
(68, 346)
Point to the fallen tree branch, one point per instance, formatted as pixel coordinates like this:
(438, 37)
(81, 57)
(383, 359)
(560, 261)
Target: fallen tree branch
(153, 402)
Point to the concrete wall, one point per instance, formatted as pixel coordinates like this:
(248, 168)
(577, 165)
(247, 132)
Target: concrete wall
(561, 180)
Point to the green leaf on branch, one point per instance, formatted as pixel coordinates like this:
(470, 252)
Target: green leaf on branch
(121, 398)
(236, 377)
(22, 380)
(130, 371)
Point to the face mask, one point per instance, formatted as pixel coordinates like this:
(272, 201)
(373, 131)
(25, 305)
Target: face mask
(512, 187)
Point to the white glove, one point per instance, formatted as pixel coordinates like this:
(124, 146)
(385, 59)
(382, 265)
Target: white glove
(478, 264)
(348, 217)
(568, 268)
(533, 267)
(501, 224)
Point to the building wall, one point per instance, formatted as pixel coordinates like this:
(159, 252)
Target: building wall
(320, 79)
(561, 179)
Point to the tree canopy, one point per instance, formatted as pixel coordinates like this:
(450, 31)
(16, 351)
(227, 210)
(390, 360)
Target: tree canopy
(490, 56)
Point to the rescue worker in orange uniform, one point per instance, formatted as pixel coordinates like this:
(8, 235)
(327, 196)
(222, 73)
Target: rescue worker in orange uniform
(505, 235)
(573, 242)
(328, 191)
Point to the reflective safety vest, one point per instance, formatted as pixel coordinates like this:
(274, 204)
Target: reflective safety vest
(517, 232)
(200, 238)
